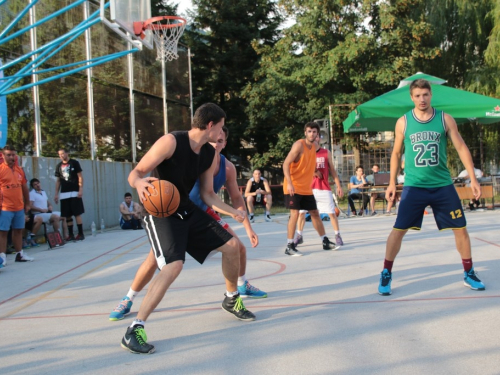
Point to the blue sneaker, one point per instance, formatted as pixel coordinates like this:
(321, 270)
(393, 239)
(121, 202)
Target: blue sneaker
(1, 263)
(384, 288)
(472, 281)
(247, 290)
(121, 310)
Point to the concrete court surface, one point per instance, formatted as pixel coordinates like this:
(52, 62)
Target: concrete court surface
(323, 314)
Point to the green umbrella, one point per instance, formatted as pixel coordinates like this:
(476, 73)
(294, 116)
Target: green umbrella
(382, 112)
(420, 75)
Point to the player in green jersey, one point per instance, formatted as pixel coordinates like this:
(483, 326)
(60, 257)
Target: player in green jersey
(423, 132)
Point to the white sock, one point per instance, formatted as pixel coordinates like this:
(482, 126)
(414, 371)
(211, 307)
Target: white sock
(337, 232)
(267, 213)
(323, 237)
(138, 322)
(132, 294)
(289, 240)
(241, 280)
(231, 294)
(299, 232)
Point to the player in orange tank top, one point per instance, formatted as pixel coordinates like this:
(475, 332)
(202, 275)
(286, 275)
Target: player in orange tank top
(298, 168)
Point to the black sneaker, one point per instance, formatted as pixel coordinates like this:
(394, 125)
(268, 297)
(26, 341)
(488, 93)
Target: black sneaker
(79, 237)
(234, 305)
(329, 245)
(135, 341)
(290, 250)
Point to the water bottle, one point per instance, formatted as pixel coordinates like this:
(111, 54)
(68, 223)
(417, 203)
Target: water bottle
(102, 226)
(257, 198)
(94, 232)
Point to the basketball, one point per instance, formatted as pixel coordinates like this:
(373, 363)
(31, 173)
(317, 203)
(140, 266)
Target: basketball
(337, 212)
(164, 199)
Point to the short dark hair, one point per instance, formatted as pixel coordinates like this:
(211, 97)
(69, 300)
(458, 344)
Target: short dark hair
(32, 181)
(311, 125)
(63, 149)
(206, 113)
(226, 131)
(420, 84)
(9, 148)
(360, 166)
(376, 165)
(127, 195)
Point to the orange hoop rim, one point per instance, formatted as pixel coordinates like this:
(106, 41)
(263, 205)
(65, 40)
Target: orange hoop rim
(148, 24)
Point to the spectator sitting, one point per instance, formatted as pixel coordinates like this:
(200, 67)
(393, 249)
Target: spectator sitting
(374, 196)
(31, 221)
(465, 175)
(357, 181)
(130, 213)
(42, 209)
(258, 191)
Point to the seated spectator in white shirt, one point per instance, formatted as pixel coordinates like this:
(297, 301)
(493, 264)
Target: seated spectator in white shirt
(41, 207)
(131, 213)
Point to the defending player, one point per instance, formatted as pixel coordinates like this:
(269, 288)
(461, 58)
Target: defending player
(424, 131)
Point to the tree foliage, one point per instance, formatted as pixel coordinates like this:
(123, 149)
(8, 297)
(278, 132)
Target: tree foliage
(220, 38)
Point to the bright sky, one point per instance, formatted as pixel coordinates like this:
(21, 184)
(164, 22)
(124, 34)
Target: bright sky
(183, 6)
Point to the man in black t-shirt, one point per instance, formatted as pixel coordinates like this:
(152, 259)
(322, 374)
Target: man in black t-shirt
(182, 157)
(70, 182)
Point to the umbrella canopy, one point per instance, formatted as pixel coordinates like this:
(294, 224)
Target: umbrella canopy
(420, 75)
(382, 112)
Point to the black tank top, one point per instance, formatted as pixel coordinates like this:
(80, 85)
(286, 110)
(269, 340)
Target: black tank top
(184, 167)
(257, 185)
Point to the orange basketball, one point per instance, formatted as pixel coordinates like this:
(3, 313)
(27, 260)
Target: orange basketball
(164, 199)
(337, 212)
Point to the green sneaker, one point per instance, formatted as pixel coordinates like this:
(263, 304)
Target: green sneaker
(135, 341)
(234, 305)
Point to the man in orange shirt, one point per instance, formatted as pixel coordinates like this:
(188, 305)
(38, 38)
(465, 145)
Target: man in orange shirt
(299, 167)
(15, 204)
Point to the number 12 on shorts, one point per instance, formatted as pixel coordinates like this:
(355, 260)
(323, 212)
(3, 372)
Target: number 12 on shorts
(456, 214)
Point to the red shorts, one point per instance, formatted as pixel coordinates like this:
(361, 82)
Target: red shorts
(217, 218)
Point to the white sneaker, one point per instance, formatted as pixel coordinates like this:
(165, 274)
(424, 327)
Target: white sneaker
(23, 258)
(3, 262)
(268, 218)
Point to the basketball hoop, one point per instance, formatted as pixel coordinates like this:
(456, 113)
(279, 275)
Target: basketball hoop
(167, 31)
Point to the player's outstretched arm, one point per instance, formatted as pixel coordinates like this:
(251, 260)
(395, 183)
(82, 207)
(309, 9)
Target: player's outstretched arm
(292, 157)
(212, 200)
(237, 200)
(463, 153)
(162, 149)
(397, 150)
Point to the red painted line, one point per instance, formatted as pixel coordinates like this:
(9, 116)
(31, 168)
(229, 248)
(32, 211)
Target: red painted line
(382, 300)
(281, 269)
(72, 269)
(491, 243)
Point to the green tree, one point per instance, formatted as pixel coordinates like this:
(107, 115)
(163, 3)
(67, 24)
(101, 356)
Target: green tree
(220, 38)
(331, 55)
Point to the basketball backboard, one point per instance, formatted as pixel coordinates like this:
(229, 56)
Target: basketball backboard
(123, 14)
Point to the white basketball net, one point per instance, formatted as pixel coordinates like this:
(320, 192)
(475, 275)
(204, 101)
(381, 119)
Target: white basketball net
(166, 35)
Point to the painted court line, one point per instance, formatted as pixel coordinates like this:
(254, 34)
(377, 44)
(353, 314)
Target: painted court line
(65, 272)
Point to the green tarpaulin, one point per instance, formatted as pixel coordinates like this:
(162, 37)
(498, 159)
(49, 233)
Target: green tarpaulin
(382, 112)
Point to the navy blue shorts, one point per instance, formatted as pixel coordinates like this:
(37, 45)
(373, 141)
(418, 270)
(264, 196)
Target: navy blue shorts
(445, 204)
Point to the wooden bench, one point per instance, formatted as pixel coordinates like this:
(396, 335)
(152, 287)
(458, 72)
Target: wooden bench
(465, 193)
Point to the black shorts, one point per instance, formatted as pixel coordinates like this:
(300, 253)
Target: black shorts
(198, 234)
(72, 207)
(300, 202)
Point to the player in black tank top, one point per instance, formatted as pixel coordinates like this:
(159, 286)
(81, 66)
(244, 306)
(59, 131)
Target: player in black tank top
(181, 158)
